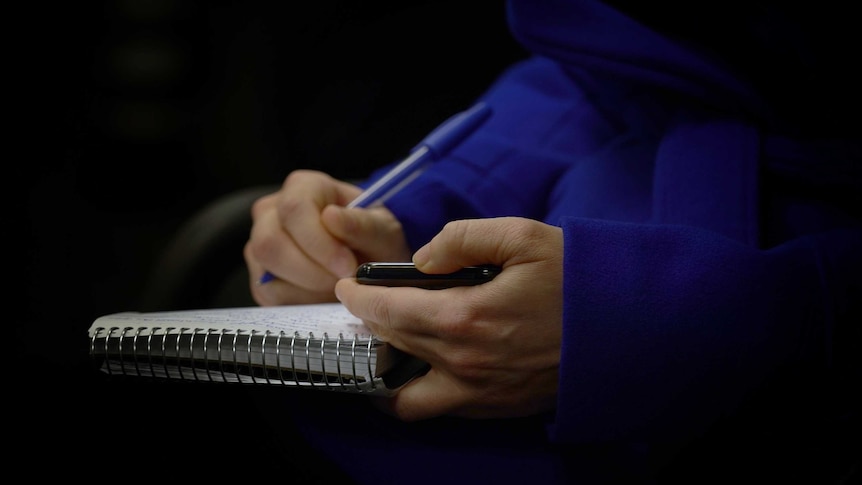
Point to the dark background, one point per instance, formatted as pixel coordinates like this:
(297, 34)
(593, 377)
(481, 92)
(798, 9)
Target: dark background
(128, 118)
(135, 115)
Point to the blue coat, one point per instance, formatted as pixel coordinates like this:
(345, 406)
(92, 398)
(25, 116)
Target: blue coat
(711, 257)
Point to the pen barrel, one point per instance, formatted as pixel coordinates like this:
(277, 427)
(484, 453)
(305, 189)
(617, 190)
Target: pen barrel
(395, 179)
(436, 145)
(452, 131)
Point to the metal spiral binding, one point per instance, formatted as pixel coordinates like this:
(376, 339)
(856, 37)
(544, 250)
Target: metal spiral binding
(353, 361)
(293, 357)
(263, 356)
(164, 353)
(233, 355)
(220, 361)
(248, 357)
(191, 353)
(132, 344)
(150, 350)
(206, 358)
(338, 360)
(368, 353)
(278, 356)
(323, 360)
(308, 359)
(135, 351)
(178, 354)
(122, 339)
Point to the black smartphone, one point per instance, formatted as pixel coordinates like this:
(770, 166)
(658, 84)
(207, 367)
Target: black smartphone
(406, 274)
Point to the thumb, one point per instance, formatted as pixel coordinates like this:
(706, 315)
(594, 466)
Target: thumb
(373, 233)
(500, 241)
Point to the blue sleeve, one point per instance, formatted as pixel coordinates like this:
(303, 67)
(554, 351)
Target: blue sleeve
(509, 165)
(668, 328)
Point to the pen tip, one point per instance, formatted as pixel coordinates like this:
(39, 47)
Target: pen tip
(266, 278)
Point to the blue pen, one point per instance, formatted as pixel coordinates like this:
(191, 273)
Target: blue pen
(437, 144)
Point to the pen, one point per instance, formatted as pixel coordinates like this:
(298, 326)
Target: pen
(434, 146)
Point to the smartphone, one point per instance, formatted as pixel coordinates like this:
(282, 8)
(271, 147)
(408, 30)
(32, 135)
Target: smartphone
(406, 274)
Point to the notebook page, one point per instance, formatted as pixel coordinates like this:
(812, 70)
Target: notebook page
(318, 319)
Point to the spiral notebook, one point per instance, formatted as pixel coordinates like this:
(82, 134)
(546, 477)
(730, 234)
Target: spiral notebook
(317, 346)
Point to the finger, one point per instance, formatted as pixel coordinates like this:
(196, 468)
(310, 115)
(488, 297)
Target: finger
(278, 292)
(503, 241)
(281, 292)
(411, 319)
(263, 204)
(303, 198)
(257, 236)
(373, 233)
(434, 394)
(275, 251)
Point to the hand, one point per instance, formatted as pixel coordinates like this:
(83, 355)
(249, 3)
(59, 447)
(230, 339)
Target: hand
(307, 239)
(494, 348)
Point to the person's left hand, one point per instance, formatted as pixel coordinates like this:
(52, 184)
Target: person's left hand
(494, 348)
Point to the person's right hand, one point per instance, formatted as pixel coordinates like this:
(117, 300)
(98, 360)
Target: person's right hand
(306, 237)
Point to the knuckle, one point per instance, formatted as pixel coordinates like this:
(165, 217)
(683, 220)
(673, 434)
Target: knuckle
(290, 199)
(523, 236)
(287, 206)
(299, 177)
(457, 230)
(467, 358)
(456, 322)
(522, 228)
(260, 205)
